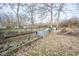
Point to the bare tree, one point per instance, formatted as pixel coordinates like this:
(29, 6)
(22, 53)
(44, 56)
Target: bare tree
(51, 14)
(18, 5)
(12, 6)
(59, 11)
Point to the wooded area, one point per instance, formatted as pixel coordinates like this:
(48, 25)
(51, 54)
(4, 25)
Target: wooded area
(25, 26)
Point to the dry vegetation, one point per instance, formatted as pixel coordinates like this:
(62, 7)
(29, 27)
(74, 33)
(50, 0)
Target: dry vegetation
(26, 22)
(55, 44)
(70, 27)
(11, 45)
(71, 23)
(52, 45)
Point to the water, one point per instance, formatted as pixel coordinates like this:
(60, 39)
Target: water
(43, 32)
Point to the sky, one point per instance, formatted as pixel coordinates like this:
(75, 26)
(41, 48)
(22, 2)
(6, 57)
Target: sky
(63, 15)
(69, 14)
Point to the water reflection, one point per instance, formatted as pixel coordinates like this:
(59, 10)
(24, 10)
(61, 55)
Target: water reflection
(43, 32)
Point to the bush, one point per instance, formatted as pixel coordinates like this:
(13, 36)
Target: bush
(73, 22)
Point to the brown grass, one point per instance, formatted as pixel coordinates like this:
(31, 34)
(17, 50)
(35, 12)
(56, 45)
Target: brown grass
(71, 23)
(54, 45)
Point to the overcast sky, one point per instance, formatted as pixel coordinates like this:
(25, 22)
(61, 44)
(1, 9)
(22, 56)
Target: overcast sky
(70, 10)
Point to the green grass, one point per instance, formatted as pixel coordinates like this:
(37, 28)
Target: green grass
(18, 30)
(15, 30)
(12, 30)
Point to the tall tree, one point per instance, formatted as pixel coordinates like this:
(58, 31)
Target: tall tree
(18, 5)
(59, 11)
(51, 12)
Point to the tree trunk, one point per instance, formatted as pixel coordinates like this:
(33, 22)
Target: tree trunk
(18, 15)
(31, 7)
(51, 16)
(59, 10)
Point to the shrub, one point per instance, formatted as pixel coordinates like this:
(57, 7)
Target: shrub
(73, 22)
